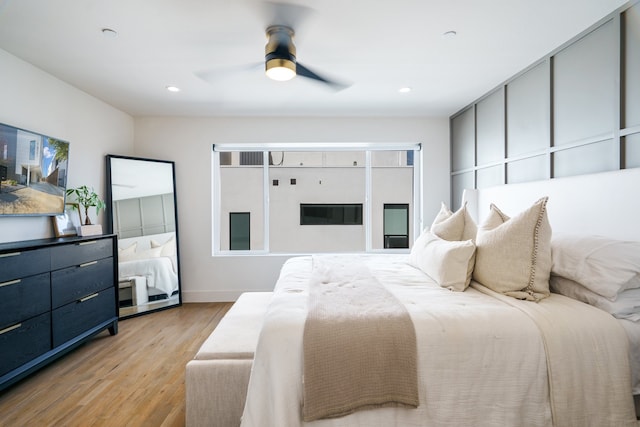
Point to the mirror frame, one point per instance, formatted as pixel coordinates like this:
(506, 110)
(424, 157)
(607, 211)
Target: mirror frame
(110, 226)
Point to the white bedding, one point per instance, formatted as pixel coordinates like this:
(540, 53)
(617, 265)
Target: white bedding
(158, 271)
(481, 358)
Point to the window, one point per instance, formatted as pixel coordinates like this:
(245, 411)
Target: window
(319, 214)
(396, 226)
(32, 149)
(251, 158)
(239, 231)
(328, 198)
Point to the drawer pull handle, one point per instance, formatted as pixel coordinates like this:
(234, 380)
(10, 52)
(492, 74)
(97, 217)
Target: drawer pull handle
(10, 282)
(87, 264)
(10, 254)
(10, 328)
(87, 243)
(87, 298)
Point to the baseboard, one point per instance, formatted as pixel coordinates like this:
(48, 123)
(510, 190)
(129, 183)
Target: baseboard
(210, 296)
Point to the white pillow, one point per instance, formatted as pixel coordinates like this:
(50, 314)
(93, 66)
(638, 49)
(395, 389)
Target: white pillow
(454, 226)
(603, 265)
(626, 306)
(449, 263)
(149, 253)
(513, 255)
(128, 251)
(168, 248)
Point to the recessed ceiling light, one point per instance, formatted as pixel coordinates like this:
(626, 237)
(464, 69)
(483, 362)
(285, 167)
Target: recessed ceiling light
(405, 89)
(173, 89)
(449, 34)
(108, 32)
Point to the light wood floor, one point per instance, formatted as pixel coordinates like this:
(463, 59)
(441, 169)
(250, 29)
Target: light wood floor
(135, 378)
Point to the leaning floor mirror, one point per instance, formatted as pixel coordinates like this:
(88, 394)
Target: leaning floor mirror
(142, 211)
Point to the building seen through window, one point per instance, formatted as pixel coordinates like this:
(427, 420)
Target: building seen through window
(303, 201)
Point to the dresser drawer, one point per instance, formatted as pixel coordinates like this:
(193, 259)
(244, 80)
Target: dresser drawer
(79, 316)
(24, 341)
(72, 283)
(17, 264)
(24, 298)
(78, 253)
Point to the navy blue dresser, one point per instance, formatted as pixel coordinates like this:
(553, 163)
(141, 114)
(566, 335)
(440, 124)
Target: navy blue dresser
(54, 295)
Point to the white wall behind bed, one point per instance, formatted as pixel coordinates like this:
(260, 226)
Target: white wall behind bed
(188, 142)
(606, 203)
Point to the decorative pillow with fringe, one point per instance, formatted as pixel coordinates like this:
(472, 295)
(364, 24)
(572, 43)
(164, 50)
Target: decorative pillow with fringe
(513, 255)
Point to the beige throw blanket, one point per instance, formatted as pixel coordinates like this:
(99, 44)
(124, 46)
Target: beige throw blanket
(359, 344)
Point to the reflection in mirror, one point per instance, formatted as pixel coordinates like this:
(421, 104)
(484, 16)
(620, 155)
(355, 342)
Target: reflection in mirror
(141, 201)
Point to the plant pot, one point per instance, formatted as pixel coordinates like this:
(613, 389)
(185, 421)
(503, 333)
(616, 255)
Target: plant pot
(90, 230)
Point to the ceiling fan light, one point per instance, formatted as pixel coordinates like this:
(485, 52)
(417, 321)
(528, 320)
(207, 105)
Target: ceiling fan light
(280, 69)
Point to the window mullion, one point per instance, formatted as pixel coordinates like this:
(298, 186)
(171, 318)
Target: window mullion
(418, 223)
(215, 201)
(266, 186)
(367, 202)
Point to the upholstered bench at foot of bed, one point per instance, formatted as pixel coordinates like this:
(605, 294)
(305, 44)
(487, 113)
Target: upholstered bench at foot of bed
(134, 288)
(218, 376)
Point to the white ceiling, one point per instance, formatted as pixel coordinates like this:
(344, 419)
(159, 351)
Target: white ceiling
(376, 46)
(133, 178)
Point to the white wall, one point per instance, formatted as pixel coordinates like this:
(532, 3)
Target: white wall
(34, 100)
(188, 141)
(37, 101)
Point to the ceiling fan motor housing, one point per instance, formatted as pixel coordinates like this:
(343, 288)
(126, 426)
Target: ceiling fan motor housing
(280, 52)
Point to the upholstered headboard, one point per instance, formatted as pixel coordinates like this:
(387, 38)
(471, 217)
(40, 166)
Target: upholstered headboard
(606, 203)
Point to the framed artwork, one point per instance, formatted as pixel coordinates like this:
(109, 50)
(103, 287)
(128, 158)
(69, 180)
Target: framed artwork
(66, 224)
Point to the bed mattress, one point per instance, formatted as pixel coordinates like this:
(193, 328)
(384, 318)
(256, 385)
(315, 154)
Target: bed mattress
(484, 359)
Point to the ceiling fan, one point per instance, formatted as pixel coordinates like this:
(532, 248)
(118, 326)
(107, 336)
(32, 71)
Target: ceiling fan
(280, 58)
(280, 61)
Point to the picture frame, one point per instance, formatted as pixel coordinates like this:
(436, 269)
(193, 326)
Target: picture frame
(67, 224)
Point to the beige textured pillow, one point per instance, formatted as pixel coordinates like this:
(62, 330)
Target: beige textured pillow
(128, 251)
(168, 247)
(449, 263)
(454, 226)
(513, 255)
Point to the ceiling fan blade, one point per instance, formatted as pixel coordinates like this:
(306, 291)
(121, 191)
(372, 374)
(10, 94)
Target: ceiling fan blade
(286, 14)
(303, 71)
(213, 75)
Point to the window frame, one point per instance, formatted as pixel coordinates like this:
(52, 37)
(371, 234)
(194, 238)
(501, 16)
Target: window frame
(367, 148)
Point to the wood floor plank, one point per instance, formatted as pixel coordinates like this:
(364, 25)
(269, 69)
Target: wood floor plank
(135, 378)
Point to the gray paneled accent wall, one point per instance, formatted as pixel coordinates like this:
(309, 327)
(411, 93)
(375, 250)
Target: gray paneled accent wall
(490, 128)
(144, 216)
(632, 150)
(585, 87)
(528, 109)
(463, 140)
(631, 29)
(576, 111)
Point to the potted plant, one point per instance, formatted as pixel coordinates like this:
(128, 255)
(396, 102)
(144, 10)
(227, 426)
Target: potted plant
(87, 198)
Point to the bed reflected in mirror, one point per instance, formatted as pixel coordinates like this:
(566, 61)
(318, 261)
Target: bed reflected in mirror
(141, 205)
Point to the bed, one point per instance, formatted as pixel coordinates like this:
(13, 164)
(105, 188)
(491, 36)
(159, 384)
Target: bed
(150, 261)
(482, 359)
(486, 354)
